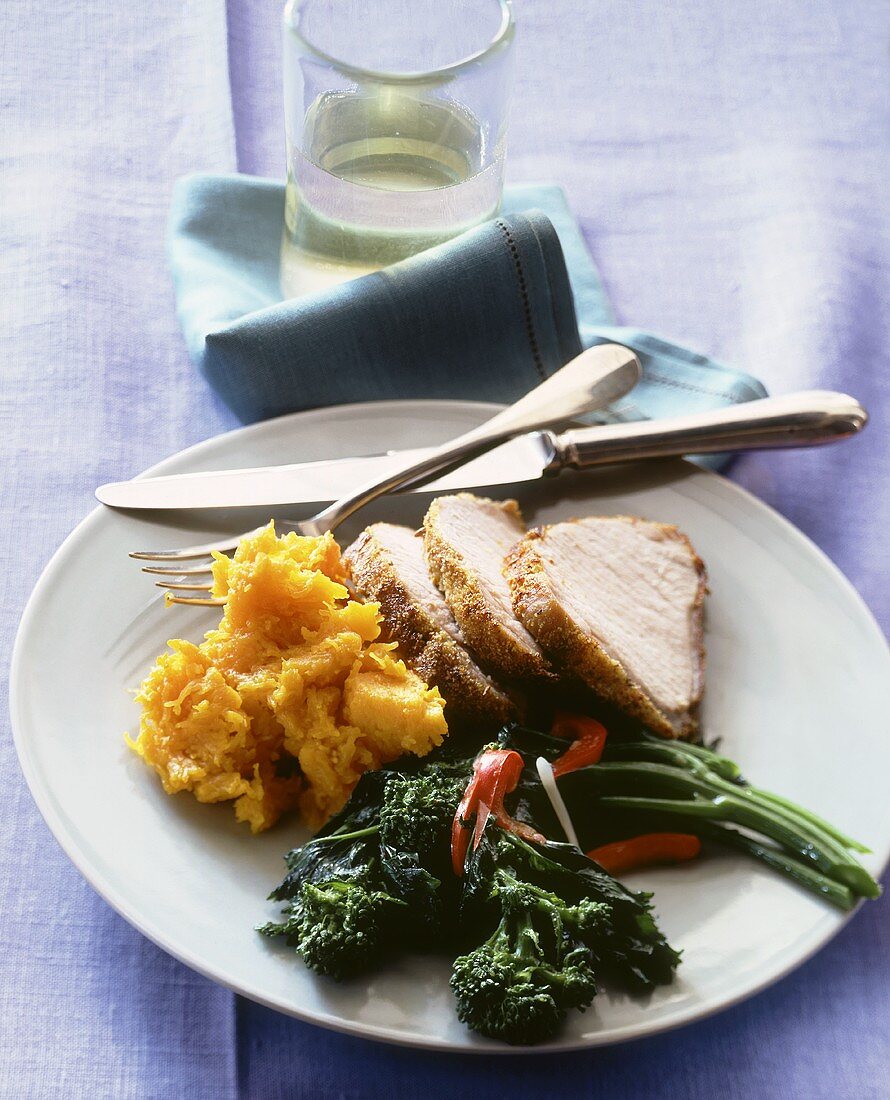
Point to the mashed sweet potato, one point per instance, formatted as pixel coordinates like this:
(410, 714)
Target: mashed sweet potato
(291, 698)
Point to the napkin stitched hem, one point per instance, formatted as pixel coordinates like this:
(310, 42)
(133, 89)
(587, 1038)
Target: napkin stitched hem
(523, 294)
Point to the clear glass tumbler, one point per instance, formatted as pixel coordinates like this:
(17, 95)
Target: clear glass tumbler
(396, 117)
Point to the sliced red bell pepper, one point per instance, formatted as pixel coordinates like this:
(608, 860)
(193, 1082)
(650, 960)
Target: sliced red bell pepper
(495, 774)
(588, 741)
(645, 851)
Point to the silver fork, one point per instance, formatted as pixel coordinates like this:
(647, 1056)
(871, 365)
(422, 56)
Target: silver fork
(596, 378)
(793, 420)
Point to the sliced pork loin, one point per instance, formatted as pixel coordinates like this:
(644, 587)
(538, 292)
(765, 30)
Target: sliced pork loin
(387, 565)
(466, 540)
(618, 600)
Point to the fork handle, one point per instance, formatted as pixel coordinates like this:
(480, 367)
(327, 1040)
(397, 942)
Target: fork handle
(592, 380)
(793, 420)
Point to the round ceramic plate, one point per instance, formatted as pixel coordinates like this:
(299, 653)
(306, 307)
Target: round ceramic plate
(795, 661)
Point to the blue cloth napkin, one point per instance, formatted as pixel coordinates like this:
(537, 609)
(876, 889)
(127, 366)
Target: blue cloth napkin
(485, 316)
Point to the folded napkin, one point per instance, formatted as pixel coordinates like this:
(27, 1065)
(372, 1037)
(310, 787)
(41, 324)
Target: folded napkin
(485, 316)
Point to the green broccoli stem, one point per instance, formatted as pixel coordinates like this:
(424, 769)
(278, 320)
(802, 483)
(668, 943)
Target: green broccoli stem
(718, 769)
(696, 781)
(673, 756)
(814, 881)
(849, 873)
(537, 855)
(338, 836)
(817, 883)
(741, 805)
(720, 765)
(515, 935)
(814, 819)
(504, 878)
(548, 903)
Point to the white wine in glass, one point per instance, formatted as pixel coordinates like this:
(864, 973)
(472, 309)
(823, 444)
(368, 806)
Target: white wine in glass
(387, 162)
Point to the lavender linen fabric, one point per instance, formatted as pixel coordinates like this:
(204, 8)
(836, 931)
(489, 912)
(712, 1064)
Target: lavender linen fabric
(728, 163)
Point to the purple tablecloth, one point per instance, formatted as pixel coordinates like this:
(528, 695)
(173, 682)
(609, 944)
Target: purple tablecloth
(729, 164)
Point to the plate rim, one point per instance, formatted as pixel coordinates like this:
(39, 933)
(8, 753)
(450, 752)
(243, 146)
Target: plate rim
(822, 933)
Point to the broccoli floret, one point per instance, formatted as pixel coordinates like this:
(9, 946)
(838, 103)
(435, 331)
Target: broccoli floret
(339, 912)
(415, 826)
(498, 1000)
(372, 880)
(342, 927)
(519, 985)
(341, 917)
(417, 813)
(628, 947)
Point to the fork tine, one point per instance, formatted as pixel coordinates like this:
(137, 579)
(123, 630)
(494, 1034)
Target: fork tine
(196, 601)
(186, 553)
(184, 587)
(160, 571)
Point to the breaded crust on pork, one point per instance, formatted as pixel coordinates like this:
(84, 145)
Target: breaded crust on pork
(466, 540)
(387, 565)
(618, 601)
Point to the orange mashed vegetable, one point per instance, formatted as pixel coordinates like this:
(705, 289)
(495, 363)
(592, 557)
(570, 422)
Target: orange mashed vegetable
(291, 698)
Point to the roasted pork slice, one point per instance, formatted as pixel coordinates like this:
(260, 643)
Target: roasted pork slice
(387, 565)
(618, 601)
(466, 540)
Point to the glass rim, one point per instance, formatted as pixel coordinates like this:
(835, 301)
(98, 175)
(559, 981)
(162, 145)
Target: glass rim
(442, 74)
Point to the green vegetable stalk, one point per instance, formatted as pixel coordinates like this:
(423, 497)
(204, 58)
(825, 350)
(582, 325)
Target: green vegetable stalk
(695, 789)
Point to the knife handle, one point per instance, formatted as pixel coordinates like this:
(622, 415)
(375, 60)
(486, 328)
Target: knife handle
(793, 420)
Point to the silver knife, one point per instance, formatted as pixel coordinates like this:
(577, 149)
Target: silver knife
(793, 420)
(597, 377)
(315, 482)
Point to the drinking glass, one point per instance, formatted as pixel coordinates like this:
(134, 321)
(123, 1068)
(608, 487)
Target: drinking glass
(396, 116)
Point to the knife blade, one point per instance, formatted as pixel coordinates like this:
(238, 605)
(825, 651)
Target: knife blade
(792, 420)
(523, 458)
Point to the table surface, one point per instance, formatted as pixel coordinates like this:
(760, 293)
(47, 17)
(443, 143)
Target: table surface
(728, 163)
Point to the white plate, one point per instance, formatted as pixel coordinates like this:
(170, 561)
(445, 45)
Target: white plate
(797, 672)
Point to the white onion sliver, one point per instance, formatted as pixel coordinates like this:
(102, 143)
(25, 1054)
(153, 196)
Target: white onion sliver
(548, 781)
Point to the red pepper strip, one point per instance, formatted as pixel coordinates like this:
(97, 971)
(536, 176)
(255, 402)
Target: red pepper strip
(483, 812)
(479, 795)
(495, 774)
(588, 741)
(645, 851)
(518, 828)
